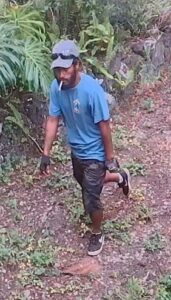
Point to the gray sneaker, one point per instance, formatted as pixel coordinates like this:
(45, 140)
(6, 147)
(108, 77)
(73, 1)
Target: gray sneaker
(96, 244)
(125, 184)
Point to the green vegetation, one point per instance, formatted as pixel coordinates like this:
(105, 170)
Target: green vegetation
(154, 243)
(135, 168)
(164, 289)
(135, 291)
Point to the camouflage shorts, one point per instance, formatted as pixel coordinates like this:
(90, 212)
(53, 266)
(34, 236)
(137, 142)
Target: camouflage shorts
(90, 174)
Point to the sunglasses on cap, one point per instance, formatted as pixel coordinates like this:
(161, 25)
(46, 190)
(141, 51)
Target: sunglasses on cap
(56, 55)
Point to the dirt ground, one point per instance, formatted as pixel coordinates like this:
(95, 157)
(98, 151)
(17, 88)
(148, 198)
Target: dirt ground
(41, 235)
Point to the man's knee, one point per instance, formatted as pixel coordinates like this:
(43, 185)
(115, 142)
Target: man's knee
(91, 203)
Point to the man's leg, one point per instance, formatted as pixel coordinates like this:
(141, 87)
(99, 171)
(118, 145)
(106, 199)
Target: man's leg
(122, 178)
(111, 177)
(96, 218)
(94, 173)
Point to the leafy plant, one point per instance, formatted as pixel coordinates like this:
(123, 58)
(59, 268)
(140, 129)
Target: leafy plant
(59, 181)
(148, 73)
(6, 168)
(36, 66)
(135, 291)
(27, 21)
(148, 104)
(24, 57)
(120, 137)
(135, 168)
(60, 151)
(118, 230)
(134, 15)
(164, 289)
(154, 243)
(98, 39)
(10, 52)
(144, 213)
(40, 258)
(124, 81)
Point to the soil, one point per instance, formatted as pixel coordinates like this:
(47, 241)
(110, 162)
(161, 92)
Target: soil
(42, 212)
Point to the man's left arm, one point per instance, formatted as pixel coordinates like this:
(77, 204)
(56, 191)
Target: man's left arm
(107, 139)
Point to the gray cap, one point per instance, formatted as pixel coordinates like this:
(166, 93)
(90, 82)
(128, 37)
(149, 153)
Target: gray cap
(65, 48)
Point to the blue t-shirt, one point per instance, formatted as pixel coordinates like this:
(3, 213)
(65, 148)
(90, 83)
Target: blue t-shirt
(82, 108)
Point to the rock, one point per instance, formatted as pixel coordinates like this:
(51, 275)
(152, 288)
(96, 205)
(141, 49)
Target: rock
(138, 47)
(158, 55)
(133, 60)
(111, 101)
(87, 265)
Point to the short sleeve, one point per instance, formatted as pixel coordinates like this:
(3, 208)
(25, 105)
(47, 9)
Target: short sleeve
(99, 106)
(54, 107)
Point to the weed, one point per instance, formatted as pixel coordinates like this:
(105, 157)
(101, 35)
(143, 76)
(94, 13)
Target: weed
(76, 212)
(135, 291)
(120, 137)
(7, 167)
(135, 168)
(137, 194)
(148, 105)
(164, 289)
(154, 243)
(118, 230)
(74, 288)
(28, 277)
(16, 215)
(20, 296)
(28, 180)
(12, 203)
(60, 152)
(59, 181)
(144, 213)
(41, 258)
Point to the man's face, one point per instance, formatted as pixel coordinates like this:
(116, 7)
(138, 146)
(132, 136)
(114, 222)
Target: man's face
(67, 75)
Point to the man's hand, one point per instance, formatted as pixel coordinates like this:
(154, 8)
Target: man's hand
(112, 166)
(44, 164)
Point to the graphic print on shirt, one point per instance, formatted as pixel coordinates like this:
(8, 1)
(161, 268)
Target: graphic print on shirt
(76, 106)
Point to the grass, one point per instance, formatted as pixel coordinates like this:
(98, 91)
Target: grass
(134, 291)
(164, 289)
(154, 243)
(148, 105)
(117, 230)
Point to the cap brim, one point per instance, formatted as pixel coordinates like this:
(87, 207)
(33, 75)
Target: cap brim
(61, 63)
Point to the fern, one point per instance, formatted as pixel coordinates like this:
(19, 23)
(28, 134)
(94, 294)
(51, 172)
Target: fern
(10, 49)
(28, 22)
(36, 66)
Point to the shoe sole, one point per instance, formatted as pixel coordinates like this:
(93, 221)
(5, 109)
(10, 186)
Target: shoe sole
(129, 182)
(94, 253)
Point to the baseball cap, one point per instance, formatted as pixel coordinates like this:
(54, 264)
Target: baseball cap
(63, 54)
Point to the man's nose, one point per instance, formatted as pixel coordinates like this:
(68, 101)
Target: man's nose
(62, 74)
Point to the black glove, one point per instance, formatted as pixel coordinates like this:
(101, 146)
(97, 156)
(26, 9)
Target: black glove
(45, 162)
(112, 165)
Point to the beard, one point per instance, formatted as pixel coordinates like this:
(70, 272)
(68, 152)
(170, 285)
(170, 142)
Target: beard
(71, 82)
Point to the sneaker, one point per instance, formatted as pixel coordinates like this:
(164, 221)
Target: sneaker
(125, 184)
(96, 244)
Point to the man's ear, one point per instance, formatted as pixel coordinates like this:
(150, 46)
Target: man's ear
(77, 64)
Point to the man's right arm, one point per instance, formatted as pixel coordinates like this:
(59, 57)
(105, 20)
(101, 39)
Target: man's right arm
(50, 133)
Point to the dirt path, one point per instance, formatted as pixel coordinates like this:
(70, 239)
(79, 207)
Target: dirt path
(47, 237)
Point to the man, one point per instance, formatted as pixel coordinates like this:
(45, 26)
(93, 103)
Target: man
(81, 102)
